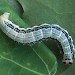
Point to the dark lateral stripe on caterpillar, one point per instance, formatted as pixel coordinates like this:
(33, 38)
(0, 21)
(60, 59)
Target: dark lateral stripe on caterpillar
(66, 34)
(37, 33)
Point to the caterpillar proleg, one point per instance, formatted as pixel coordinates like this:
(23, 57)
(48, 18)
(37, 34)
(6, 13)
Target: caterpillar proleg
(37, 33)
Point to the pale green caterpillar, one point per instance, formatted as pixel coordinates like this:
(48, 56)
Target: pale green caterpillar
(37, 33)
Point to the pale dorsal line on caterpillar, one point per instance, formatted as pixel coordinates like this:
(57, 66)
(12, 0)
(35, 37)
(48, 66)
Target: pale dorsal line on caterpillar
(37, 33)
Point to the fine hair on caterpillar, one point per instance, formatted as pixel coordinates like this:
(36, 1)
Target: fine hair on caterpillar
(37, 33)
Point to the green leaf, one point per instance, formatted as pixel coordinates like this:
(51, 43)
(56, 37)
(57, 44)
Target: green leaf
(70, 70)
(16, 6)
(18, 59)
(61, 12)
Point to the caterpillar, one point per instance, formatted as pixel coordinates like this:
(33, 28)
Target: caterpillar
(37, 33)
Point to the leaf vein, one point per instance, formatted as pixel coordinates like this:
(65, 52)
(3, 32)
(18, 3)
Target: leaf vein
(35, 72)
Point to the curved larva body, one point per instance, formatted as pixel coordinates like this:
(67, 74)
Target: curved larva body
(32, 35)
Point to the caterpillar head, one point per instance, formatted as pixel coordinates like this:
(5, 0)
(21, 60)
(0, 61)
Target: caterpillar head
(67, 59)
(4, 16)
